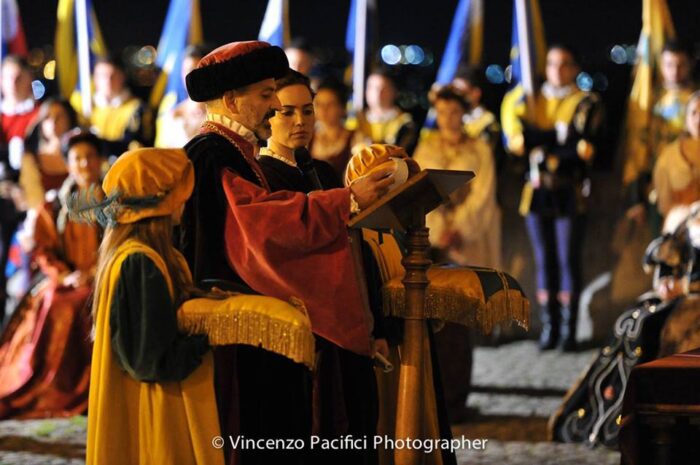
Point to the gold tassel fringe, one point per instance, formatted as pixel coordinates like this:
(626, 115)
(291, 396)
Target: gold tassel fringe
(291, 339)
(454, 306)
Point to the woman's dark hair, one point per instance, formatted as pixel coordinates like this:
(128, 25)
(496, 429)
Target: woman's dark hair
(34, 135)
(678, 46)
(112, 60)
(449, 93)
(79, 136)
(335, 86)
(386, 73)
(293, 78)
(568, 48)
(474, 75)
(67, 107)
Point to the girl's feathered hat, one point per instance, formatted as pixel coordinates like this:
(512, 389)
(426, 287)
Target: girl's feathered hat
(142, 183)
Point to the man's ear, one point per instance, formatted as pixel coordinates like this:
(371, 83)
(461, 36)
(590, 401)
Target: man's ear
(230, 101)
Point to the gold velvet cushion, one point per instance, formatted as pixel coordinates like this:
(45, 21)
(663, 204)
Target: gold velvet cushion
(456, 294)
(272, 324)
(480, 297)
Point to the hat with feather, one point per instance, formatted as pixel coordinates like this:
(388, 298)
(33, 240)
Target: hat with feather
(142, 183)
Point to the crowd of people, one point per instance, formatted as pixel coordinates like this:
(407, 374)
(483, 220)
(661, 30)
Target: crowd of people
(245, 219)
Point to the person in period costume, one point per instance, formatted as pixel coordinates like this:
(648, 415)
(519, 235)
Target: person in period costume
(42, 172)
(383, 122)
(44, 168)
(177, 123)
(19, 111)
(479, 122)
(151, 391)
(465, 232)
(468, 231)
(236, 234)
(118, 117)
(676, 177)
(300, 56)
(45, 349)
(332, 141)
(292, 128)
(345, 397)
(681, 332)
(591, 408)
(558, 135)
(667, 124)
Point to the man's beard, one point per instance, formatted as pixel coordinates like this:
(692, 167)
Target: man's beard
(263, 130)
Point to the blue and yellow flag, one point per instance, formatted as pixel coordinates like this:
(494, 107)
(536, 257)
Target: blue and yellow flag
(275, 25)
(464, 46)
(657, 29)
(465, 42)
(66, 45)
(183, 27)
(528, 48)
(527, 61)
(350, 30)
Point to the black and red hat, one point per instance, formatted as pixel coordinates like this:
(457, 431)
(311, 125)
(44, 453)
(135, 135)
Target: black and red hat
(233, 66)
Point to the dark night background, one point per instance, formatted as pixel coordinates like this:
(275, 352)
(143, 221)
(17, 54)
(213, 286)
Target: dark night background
(592, 26)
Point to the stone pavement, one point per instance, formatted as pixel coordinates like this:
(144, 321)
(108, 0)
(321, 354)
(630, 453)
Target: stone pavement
(515, 390)
(43, 442)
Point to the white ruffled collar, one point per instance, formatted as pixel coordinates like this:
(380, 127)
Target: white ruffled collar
(25, 106)
(102, 101)
(551, 91)
(234, 126)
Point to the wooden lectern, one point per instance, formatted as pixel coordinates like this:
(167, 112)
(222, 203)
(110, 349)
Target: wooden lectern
(404, 209)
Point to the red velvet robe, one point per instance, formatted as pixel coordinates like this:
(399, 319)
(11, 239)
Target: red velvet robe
(287, 244)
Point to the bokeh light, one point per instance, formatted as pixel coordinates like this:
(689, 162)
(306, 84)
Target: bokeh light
(618, 55)
(584, 81)
(36, 57)
(50, 70)
(508, 73)
(391, 54)
(38, 89)
(495, 74)
(146, 55)
(414, 55)
(600, 82)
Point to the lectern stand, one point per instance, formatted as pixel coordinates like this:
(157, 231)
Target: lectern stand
(404, 209)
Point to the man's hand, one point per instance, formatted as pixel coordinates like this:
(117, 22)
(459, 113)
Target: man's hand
(381, 347)
(368, 189)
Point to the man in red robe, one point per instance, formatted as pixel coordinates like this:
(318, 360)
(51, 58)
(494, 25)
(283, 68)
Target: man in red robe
(283, 244)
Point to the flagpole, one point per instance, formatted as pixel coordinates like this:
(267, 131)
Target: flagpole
(2, 31)
(286, 38)
(83, 57)
(359, 54)
(521, 12)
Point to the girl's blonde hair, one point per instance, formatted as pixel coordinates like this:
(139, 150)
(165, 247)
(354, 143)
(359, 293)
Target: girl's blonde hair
(155, 232)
